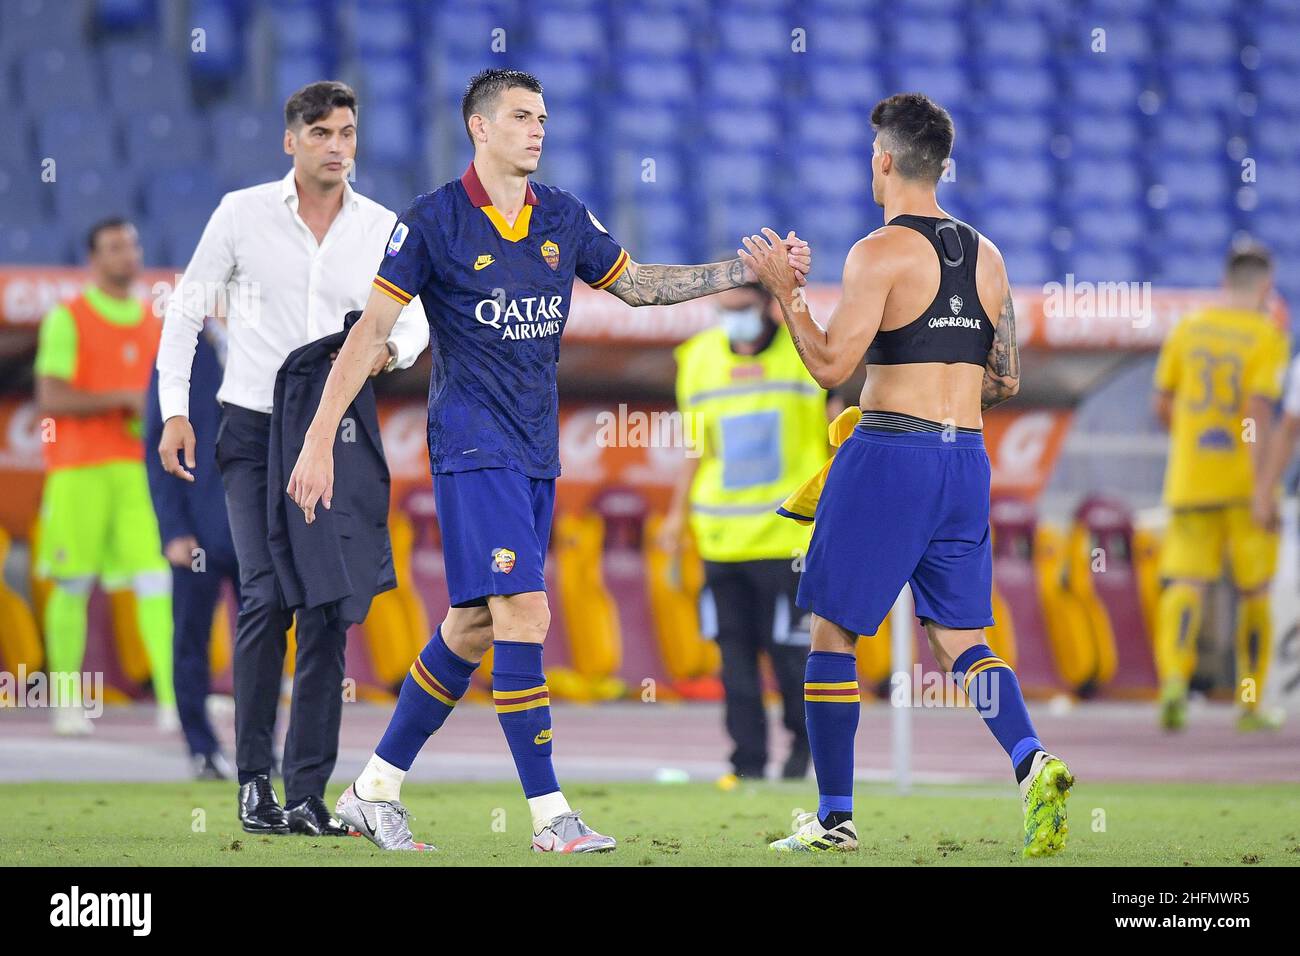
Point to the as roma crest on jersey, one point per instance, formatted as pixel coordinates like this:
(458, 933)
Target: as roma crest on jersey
(551, 253)
(503, 560)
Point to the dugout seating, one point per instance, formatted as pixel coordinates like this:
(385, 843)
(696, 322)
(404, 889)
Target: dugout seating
(20, 639)
(692, 663)
(1070, 630)
(1053, 137)
(1016, 573)
(1102, 534)
(591, 616)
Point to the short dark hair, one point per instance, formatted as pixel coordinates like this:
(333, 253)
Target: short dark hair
(484, 88)
(317, 100)
(103, 225)
(917, 131)
(1247, 264)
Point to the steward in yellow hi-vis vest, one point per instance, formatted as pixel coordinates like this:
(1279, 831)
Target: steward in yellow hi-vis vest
(759, 427)
(756, 421)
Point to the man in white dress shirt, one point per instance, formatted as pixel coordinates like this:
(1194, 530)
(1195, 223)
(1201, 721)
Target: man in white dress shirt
(289, 259)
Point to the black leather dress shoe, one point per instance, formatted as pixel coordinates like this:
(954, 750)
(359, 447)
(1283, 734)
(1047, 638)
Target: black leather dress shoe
(310, 817)
(259, 810)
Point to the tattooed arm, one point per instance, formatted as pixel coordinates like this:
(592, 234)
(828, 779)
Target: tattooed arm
(663, 285)
(1002, 370)
(642, 284)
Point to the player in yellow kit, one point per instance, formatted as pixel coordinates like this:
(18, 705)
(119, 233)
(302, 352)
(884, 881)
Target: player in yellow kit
(1218, 378)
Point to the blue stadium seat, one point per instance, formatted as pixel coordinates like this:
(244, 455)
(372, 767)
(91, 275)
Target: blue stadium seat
(1023, 87)
(1011, 39)
(1021, 178)
(24, 199)
(39, 243)
(18, 145)
(831, 127)
(183, 187)
(42, 24)
(1124, 225)
(1197, 183)
(1029, 265)
(928, 40)
(1106, 264)
(140, 76)
(1196, 229)
(1196, 135)
(647, 125)
(58, 78)
(1103, 87)
(78, 138)
(84, 197)
(1029, 132)
(1026, 223)
(1204, 87)
(571, 168)
(1102, 135)
(752, 82)
(944, 83)
(1200, 41)
(384, 28)
(1113, 181)
(847, 36)
(571, 33)
(844, 83)
(390, 186)
(180, 235)
(658, 83)
(222, 55)
(1276, 136)
(1275, 37)
(392, 133)
(1192, 268)
(1279, 91)
(162, 139)
(737, 127)
(739, 173)
(246, 139)
(294, 69)
(656, 34)
(835, 176)
(727, 222)
(1127, 39)
(125, 15)
(306, 26)
(1279, 185)
(385, 76)
(753, 35)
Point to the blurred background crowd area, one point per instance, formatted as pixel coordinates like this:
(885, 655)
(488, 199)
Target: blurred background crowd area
(1112, 139)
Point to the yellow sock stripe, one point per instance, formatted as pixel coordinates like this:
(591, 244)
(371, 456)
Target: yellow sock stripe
(513, 701)
(430, 689)
(508, 695)
(832, 692)
(979, 667)
(527, 705)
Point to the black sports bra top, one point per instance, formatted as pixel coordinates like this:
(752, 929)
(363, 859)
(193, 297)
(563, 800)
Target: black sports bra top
(954, 328)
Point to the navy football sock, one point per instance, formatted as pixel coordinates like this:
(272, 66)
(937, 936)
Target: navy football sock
(991, 685)
(437, 679)
(523, 704)
(832, 705)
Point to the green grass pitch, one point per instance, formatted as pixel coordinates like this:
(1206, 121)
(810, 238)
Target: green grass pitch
(192, 824)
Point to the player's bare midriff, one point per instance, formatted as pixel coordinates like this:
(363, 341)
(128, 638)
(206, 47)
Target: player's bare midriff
(932, 390)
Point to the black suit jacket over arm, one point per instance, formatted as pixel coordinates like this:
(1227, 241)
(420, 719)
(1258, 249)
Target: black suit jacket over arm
(345, 555)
